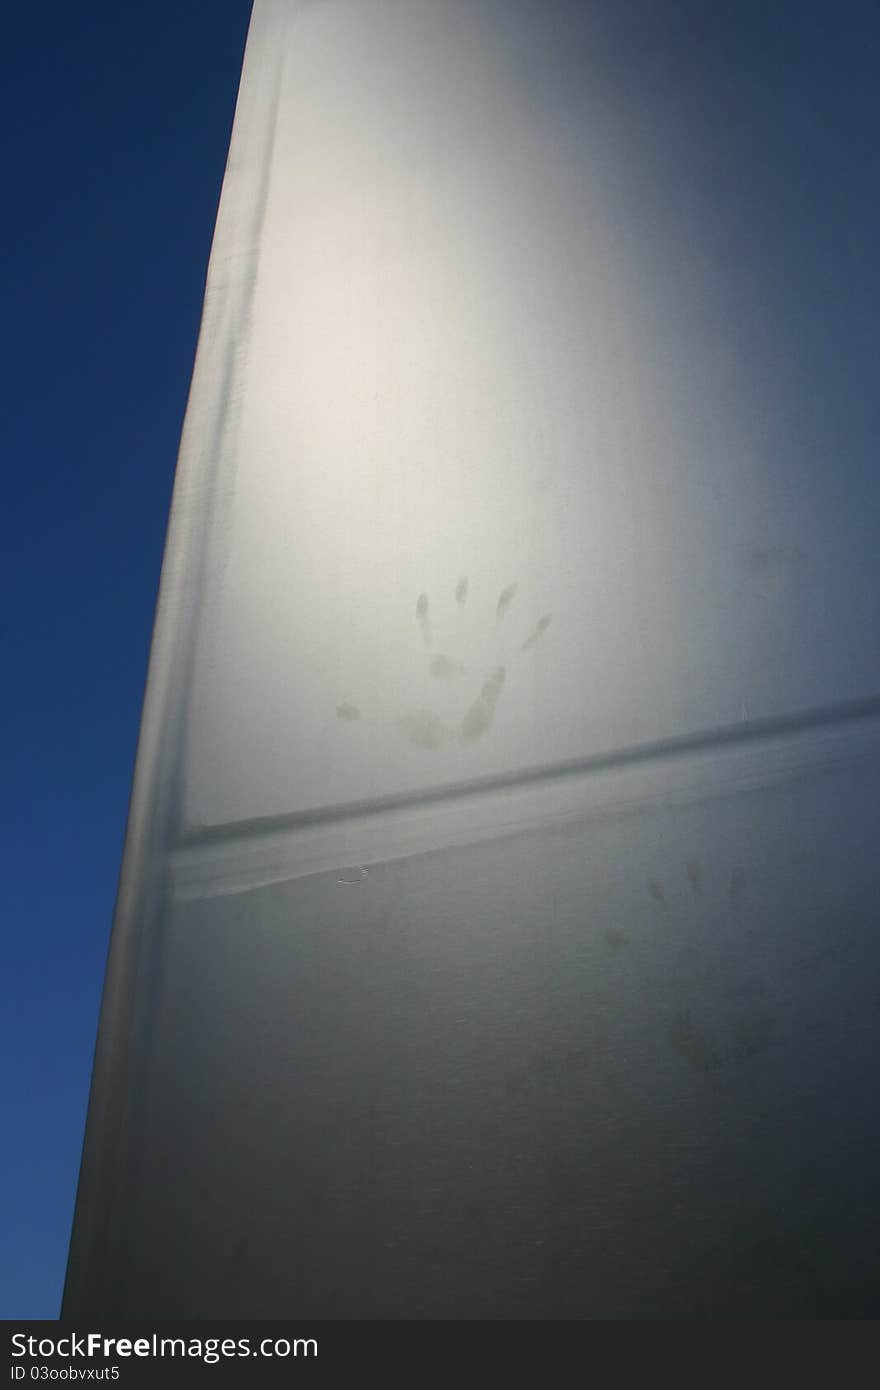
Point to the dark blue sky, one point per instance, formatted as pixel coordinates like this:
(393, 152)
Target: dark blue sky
(115, 123)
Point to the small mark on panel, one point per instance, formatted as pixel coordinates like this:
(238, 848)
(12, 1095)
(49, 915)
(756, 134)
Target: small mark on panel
(422, 618)
(657, 893)
(442, 667)
(505, 599)
(615, 939)
(478, 718)
(425, 729)
(346, 710)
(355, 873)
(537, 633)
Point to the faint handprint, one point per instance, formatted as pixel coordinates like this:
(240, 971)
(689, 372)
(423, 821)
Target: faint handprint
(482, 681)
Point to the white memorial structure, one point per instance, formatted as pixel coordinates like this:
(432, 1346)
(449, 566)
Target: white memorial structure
(497, 929)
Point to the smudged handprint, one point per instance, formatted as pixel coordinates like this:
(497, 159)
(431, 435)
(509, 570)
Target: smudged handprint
(427, 727)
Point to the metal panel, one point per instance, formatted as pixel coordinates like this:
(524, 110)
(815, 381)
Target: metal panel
(497, 927)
